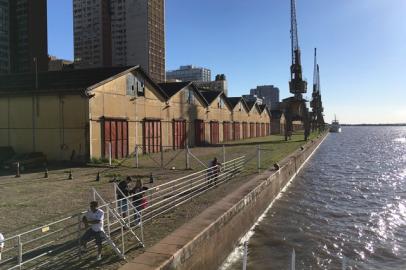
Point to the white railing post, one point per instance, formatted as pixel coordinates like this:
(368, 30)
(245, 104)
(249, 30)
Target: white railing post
(79, 223)
(162, 156)
(122, 241)
(293, 262)
(187, 157)
(258, 158)
(136, 156)
(245, 255)
(127, 201)
(141, 228)
(110, 153)
(115, 196)
(224, 153)
(20, 251)
(108, 222)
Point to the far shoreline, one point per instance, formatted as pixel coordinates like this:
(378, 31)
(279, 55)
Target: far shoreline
(374, 125)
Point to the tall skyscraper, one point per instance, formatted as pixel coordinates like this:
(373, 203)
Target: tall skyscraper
(23, 36)
(269, 94)
(120, 33)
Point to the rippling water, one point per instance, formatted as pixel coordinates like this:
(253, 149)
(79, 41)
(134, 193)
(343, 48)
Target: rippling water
(349, 200)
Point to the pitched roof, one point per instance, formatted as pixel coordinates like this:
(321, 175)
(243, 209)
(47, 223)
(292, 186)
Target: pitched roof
(210, 95)
(250, 104)
(74, 81)
(261, 107)
(233, 101)
(171, 88)
(71, 80)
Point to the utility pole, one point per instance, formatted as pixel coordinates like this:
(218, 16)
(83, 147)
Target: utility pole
(36, 72)
(34, 105)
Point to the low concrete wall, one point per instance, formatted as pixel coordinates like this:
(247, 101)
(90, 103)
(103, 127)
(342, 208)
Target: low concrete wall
(224, 223)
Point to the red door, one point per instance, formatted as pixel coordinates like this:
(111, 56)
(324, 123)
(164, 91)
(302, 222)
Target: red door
(179, 134)
(107, 137)
(258, 131)
(226, 131)
(151, 136)
(214, 132)
(236, 130)
(244, 130)
(115, 134)
(119, 135)
(252, 130)
(199, 132)
(125, 139)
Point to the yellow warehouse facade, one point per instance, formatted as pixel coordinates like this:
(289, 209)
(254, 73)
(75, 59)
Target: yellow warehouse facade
(83, 114)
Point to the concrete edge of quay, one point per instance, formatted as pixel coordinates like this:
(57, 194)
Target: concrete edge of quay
(207, 240)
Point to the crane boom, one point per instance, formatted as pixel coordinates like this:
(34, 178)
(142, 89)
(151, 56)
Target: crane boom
(315, 71)
(293, 30)
(316, 74)
(297, 85)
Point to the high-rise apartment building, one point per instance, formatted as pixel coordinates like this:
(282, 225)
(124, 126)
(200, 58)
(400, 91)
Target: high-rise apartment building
(4, 36)
(23, 36)
(189, 73)
(92, 34)
(269, 94)
(120, 33)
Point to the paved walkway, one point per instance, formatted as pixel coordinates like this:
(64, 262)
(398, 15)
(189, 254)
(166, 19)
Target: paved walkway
(156, 256)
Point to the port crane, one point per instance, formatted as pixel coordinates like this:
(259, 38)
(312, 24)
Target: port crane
(317, 118)
(294, 107)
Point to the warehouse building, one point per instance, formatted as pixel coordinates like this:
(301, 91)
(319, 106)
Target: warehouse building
(83, 114)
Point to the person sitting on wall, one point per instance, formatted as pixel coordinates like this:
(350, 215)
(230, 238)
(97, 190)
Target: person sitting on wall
(123, 192)
(139, 201)
(94, 218)
(214, 171)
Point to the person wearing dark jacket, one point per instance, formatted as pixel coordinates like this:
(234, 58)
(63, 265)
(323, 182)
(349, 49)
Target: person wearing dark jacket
(122, 193)
(214, 171)
(139, 201)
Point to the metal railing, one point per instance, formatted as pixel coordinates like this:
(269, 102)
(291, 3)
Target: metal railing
(165, 197)
(59, 241)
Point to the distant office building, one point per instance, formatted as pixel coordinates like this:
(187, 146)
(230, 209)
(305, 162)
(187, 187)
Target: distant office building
(253, 98)
(189, 73)
(120, 33)
(23, 36)
(219, 84)
(59, 64)
(269, 93)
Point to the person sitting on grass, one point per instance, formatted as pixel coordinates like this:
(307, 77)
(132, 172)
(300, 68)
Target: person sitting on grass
(94, 218)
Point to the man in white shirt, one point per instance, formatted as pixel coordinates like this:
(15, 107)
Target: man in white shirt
(1, 244)
(95, 218)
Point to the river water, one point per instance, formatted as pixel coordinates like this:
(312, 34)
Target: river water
(348, 201)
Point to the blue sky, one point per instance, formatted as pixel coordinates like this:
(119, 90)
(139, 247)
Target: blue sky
(361, 48)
